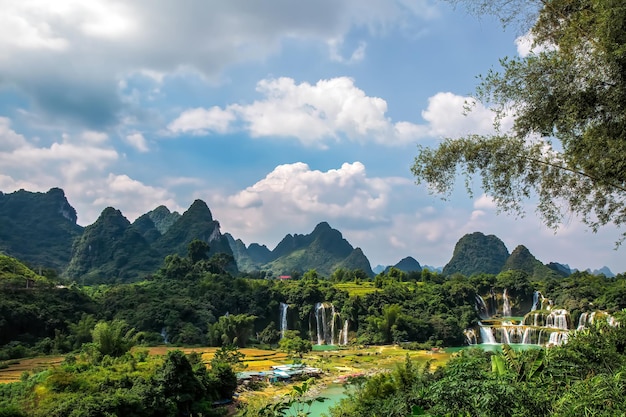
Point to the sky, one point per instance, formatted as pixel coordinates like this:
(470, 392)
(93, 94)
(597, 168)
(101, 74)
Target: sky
(279, 114)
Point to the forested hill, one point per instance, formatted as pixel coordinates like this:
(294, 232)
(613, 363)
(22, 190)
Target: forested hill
(324, 250)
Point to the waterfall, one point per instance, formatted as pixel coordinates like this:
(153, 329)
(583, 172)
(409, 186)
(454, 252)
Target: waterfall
(481, 307)
(320, 319)
(506, 308)
(582, 321)
(345, 332)
(283, 319)
(492, 302)
(504, 336)
(164, 335)
(536, 295)
(332, 325)
(487, 336)
(537, 328)
(527, 338)
(558, 319)
(470, 336)
(558, 338)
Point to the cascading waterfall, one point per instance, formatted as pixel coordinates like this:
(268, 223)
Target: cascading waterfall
(283, 319)
(333, 316)
(506, 308)
(320, 318)
(538, 327)
(330, 328)
(487, 336)
(164, 335)
(481, 307)
(558, 319)
(536, 295)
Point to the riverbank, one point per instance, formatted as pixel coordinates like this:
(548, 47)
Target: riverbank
(337, 366)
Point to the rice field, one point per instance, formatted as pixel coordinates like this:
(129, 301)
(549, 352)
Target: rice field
(333, 362)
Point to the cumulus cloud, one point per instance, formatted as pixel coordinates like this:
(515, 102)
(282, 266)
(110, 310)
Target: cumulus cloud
(330, 110)
(293, 194)
(201, 121)
(336, 110)
(131, 196)
(107, 40)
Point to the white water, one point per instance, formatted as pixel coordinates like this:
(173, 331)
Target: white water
(487, 336)
(481, 307)
(506, 308)
(333, 315)
(557, 319)
(283, 319)
(536, 295)
(320, 319)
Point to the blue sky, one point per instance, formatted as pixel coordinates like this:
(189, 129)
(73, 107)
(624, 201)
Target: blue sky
(279, 114)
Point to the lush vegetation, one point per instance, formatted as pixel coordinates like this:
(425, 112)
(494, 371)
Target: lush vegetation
(135, 385)
(195, 300)
(585, 377)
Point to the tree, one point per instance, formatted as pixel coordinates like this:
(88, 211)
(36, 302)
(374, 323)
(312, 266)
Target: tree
(114, 338)
(197, 250)
(180, 386)
(293, 343)
(231, 329)
(566, 99)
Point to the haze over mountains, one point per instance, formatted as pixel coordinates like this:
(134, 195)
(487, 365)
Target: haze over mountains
(41, 229)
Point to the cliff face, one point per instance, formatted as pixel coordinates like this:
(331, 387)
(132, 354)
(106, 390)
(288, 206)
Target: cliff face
(38, 228)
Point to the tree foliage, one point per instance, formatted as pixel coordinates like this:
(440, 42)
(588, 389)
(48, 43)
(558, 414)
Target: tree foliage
(566, 98)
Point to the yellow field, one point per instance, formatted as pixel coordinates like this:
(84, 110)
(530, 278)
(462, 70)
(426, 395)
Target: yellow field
(15, 371)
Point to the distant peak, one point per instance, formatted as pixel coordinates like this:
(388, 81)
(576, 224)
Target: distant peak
(322, 226)
(162, 209)
(199, 207)
(56, 191)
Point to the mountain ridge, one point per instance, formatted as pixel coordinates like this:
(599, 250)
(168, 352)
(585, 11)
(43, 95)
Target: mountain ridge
(41, 229)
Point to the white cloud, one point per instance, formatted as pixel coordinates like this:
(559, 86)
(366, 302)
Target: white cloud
(80, 164)
(200, 121)
(330, 110)
(336, 110)
(132, 197)
(9, 140)
(137, 141)
(293, 194)
(484, 202)
(447, 117)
